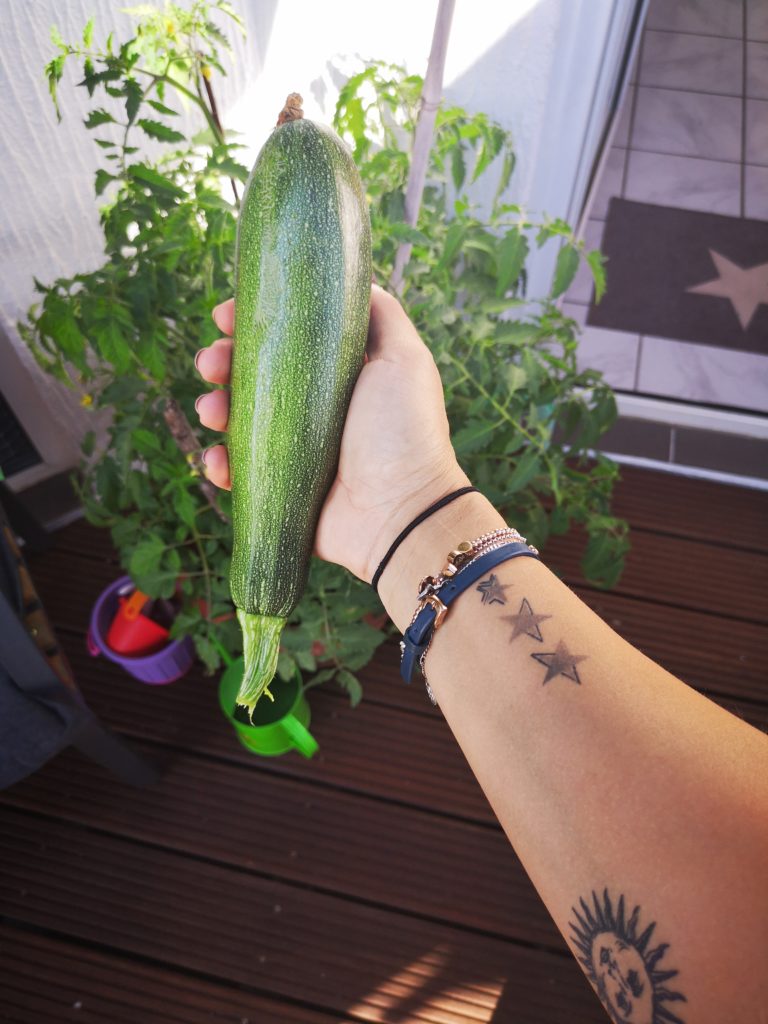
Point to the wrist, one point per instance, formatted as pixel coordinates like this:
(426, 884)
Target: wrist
(424, 550)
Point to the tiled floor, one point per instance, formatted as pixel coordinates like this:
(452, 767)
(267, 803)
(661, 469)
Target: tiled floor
(693, 134)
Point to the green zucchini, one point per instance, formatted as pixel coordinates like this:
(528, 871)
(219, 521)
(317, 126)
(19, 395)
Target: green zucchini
(302, 301)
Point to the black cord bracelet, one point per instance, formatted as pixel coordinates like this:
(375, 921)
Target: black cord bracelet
(411, 526)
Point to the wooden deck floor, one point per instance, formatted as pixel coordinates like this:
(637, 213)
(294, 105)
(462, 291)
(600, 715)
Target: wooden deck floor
(369, 884)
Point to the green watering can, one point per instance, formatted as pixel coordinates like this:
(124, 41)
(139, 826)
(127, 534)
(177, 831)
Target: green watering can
(277, 726)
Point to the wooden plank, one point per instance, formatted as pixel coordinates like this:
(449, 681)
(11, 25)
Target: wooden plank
(300, 833)
(719, 655)
(725, 658)
(69, 584)
(411, 759)
(685, 573)
(83, 538)
(700, 509)
(54, 981)
(369, 749)
(364, 962)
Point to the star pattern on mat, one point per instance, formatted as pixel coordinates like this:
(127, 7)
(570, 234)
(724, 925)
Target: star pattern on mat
(746, 288)
(560, 662)
(492, 590)
(526, 621)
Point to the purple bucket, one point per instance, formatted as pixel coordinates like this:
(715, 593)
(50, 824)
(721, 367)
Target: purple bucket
(164, 666)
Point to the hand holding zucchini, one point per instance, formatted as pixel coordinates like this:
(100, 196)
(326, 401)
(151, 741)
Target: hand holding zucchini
(302, 291)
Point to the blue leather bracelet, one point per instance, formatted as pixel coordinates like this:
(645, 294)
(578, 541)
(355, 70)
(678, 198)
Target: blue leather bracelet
(416, 638)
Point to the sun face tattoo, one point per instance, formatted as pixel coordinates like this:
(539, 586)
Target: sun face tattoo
(619, 964)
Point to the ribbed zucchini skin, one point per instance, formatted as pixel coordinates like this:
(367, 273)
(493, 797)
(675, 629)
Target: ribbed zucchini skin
(302, 295)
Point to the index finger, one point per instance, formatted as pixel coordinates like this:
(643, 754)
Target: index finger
(224, 316)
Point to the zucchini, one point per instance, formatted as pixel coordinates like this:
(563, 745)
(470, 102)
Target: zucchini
(302, 301)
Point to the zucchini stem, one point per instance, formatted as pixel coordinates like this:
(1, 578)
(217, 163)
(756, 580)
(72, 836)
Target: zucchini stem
(261, 646)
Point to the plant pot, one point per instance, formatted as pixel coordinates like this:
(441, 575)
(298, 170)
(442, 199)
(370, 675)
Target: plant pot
(164, 666)
(278, 726)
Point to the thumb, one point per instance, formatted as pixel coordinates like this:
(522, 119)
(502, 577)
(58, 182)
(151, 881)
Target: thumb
(391, 335)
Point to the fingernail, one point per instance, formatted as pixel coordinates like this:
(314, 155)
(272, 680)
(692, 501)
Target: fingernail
(204, 454)
(198, 400)
(197, 358)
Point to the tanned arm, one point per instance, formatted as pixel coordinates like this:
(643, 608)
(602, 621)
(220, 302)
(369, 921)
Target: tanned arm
(638, 807)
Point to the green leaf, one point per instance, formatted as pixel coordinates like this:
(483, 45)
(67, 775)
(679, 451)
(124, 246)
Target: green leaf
(405, 233)
(184, 506)
(102, 179)
(507, 169)
(56, 38)
(93, 78)
(286, 666)
(453, 241)
(54, 69)
(146, 441)
(162, 109)
(88, 443)
(472, 437)
(230, 167)
(132, 93)
(113, 345)
(146, 556)
(88, 33)
(158, 130)
(513, 253)
(596, 262)
(351, 684)
(97, 117)
(515, 376)
(305, 659)
(156, 181)
(515, 332)
(458, 167)
(525, 470)
(565, 269)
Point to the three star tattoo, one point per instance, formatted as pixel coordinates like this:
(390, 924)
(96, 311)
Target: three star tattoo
(560, 662)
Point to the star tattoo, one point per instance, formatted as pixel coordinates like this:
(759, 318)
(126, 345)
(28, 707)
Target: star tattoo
(492, 590)
(526, 621)
(560, 663)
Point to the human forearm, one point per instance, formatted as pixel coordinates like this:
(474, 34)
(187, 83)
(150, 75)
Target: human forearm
(607, 774)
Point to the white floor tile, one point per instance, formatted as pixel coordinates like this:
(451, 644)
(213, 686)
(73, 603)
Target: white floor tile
(757, 132)
(610, 184)
(621, 138)
(757, 70)
(685, 182)
(756, 192)
(702, 373)
(688, 124)
(676, 60)
(711, 17)
(757, 20)
(614, 353)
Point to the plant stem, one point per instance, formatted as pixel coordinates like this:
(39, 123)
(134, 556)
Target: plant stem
(499, 408)
(425, 129)
(187, 440)
(206, 570)
(217, 121)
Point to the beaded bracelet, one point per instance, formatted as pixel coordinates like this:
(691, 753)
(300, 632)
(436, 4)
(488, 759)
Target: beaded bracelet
(469, 561)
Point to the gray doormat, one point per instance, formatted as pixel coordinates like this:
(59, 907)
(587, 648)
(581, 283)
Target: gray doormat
(687, 275)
